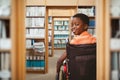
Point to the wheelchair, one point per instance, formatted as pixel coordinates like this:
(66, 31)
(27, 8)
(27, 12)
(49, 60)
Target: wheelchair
(80, 63)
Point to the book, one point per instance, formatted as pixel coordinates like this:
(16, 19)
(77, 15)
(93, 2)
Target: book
(35, 33)
(35, 11)
(90, 11)
(5, 7)
(5, 73)
(39, 47)
(115, 66)
(0, 29)
(3, 30)
(92, 24)
(35, 22)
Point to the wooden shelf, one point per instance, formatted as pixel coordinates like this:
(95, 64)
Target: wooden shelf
(61, 34)
(91, 27)
(59, 48)
(4, 18)
(91, 16)
(49, 48)
(115, 17)
(50, 55)
(61, 16)
(49, 22)
(35, 71)
(29, 48)
(61, 30)
(66, 25)
(35, 5)
(36, 38)
(35, 27)
(35, 16)
(49, 29)
(60, 38)
(61, 25)
(115, 50)
(5, 50)
(14, 25)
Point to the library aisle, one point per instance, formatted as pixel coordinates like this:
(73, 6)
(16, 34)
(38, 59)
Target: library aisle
(51, 69)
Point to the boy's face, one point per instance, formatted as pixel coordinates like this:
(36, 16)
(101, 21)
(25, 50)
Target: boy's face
(77, 26)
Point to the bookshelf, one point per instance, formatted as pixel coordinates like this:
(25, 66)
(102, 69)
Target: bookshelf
(11, 23)
(114, 39)
(36, 39)
(5, 50)
(59, 13)
(90, 12)
(50, 35)
(54, 30)
(5, 41)
(86, 2)
(107, 27)
(61, 32)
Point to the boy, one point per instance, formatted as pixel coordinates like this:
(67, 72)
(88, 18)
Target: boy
(79, 26)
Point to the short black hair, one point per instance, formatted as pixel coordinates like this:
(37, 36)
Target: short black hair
(83, 17)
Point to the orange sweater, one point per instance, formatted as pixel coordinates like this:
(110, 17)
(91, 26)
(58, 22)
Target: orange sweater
(83, 38)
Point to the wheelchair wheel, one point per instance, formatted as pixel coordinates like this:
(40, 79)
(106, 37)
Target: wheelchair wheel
(62, 74)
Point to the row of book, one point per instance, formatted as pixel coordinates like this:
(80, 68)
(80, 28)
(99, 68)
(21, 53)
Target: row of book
(115, 43)
(50, 33)
(5, 66)
(3, 29)
(5, 41)
(115, 12)
(35, 62)
(35, 22)
(5, 7)
(61, 36)
(115, 8)
(60, 41)
(61, 32)
(35, 33)
(49, 38)
(88, 11)
(91, 31)
(38, 47)
(64, 27)
(49, 26)
(115, 66)
(29, 43)
(50, 19)
(92, 23)
(115, 34)
(35, 11)
(61, 22)
(59, 45)
(61, 27)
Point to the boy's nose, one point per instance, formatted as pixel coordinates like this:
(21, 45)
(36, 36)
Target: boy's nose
(72, 28)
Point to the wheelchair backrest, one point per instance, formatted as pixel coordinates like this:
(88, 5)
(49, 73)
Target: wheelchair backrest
(81, 61)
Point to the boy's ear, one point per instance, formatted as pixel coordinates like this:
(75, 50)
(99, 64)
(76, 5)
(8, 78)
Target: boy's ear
(85, 27)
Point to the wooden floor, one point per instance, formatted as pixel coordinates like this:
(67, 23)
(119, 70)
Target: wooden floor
(52, 69)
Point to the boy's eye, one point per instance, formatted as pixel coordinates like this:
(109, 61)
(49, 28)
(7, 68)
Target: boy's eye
(76, 24)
